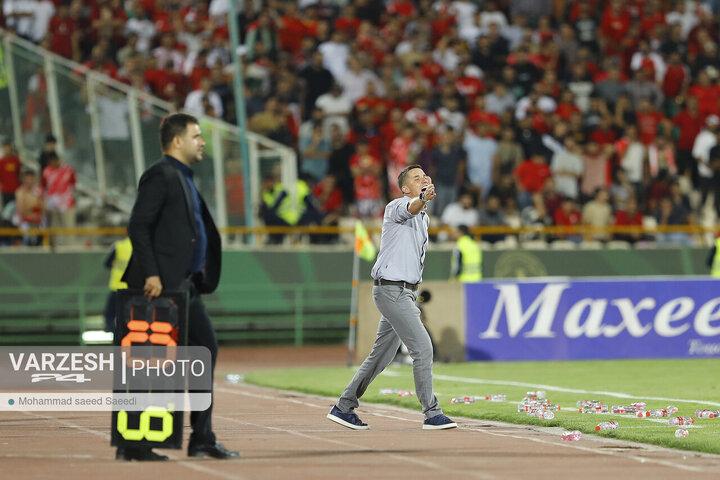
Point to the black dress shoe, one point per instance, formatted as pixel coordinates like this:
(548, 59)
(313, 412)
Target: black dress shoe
(139, 454)
(215, 450)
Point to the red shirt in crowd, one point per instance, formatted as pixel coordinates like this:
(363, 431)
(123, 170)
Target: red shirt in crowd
(707, 96)
(603, 137)
(9, 174)
(564, 110)
(624, 218)
(332, 202)
(401, 8)
(487, 118)
(291, 34)
(675, 76)
(349, 25)
(59, 183)
(647, 24)
(648, 125)
(532, 175)
(367, 184)
(60, 31)
(689, 126)
(567, 219)
(469, 87)
(614, 25)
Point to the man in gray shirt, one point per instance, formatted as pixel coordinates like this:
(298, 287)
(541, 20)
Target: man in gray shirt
(397, 273)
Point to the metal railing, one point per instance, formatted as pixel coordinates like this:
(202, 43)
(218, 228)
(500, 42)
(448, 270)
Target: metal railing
(108, 132)
(703, 235)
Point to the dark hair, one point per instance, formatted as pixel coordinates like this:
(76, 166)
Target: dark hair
(464, 229)
(52, 156)
(403, 174)
(173, 126)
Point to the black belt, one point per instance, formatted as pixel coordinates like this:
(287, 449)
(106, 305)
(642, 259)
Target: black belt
(411, 286)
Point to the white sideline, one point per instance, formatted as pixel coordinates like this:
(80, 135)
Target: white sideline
(400, 410)
(555, 388)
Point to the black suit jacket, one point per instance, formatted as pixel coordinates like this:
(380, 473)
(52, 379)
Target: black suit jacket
(162, 229)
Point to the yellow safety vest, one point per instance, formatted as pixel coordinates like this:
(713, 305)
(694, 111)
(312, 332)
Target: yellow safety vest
(270, 197)
(715, 272)
(292, 211)
(4, 78)
(123, 251)
(471, 260)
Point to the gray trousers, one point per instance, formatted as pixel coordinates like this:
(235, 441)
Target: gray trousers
(400, 321)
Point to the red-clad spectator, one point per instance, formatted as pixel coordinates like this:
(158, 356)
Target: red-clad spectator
(615, 22)
(9, 173)
(629, 217)
(404, 9)
(532, 173)
(403, 152)
(348, 22)
(650, 17)
(160, 78)
(366, 170)
(441, 26)
(431, 69)
(292, 29)
(603, 134)
(552, 198)
(58, 181)
(61, 30)
(648, 121)
(705, 91)
(329, 202)
(479, 114)
(568, 215)
(676, 76)
(371, 102)
(328, 194)
(566, 106)
(469, 84)
(689, 123)
(199, 70)
(392, 128)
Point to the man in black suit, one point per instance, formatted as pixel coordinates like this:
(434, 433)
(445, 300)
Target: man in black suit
(176, 245)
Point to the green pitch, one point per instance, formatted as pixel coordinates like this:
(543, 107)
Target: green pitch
(688, 384)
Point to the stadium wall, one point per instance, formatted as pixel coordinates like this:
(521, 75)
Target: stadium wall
(271, 266)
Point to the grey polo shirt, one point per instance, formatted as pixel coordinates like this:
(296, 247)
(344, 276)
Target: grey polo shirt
(403, 243)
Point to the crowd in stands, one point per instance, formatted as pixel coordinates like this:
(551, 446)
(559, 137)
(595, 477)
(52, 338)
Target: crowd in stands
(524, 112)
(32, 200)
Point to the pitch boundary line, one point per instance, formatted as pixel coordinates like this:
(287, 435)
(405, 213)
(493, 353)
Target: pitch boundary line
(553, 388)
(423, 463)
(178, 461)
(475, 428)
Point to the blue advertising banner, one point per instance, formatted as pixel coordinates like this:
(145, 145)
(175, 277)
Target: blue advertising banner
(567, 319)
